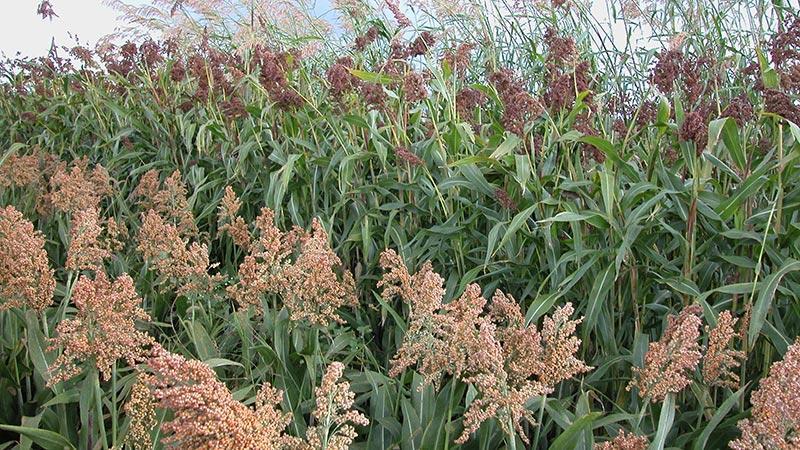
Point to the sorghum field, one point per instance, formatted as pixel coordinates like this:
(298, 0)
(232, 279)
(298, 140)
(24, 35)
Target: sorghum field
(438, 225)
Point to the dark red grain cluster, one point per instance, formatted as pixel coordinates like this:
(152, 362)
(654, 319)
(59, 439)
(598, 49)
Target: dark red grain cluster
(740, 109)
(695, 128)
(364, 40)
(422, 44)
(458, 59)
(339, 77)
(780, 103)
(467, 100)
(414, 88)
(519, 106)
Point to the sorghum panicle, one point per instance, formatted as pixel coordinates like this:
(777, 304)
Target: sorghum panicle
(670, 361)
(720, 362)
(79, 188)
(26, 279)
(506, 361)
(261, 271)
(19, 171)
(560, 345)
(104, 329)
(467, 101)
(414, 87)
(775, 421)
(624, 441)
(205, 414)
(334, 415)
(87, 248)
(172, 257)
(141, 410)
(230, 222)
(311, 289)
(423, 292)
(408, 156)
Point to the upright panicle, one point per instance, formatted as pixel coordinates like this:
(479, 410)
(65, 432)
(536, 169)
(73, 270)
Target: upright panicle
(26, 279)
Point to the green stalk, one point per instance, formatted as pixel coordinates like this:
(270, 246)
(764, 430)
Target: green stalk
(779, 201)
(511, 438)
(449, 415)
(114, 405)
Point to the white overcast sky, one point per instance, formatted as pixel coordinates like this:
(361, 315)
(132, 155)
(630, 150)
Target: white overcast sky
(22, 30)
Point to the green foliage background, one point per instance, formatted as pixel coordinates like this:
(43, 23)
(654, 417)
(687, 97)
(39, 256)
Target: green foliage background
(612, 237)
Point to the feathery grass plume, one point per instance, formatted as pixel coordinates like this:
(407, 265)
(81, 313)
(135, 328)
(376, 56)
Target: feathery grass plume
(423, 292)
(775, 421)
(26, 279)
(230, 222)
(87, 249)
(670, 361)
(624, 441)
(173, 258)
(141, 410)
(334, 415)
(205, 414)
(399, 16)
(351, 12)
(104, 329)
(720, 362)
(311, 288)
(79, 188)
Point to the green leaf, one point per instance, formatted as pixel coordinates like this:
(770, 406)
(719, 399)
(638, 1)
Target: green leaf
(219, 362)
(664, 422)
(569, 216)
(371, 77)
(515, 224)
(600, 289)
(568, 438)
(762, 305)
(46, 439)
(769, 77)
(507, 146)
(611, 153)
(720, 414)
(753, 183)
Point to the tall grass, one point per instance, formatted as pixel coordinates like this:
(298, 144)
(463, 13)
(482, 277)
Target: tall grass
(613, 202)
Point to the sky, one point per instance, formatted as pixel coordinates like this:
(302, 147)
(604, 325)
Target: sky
(22, 30)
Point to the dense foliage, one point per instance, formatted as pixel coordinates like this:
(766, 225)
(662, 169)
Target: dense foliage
(485, 231)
